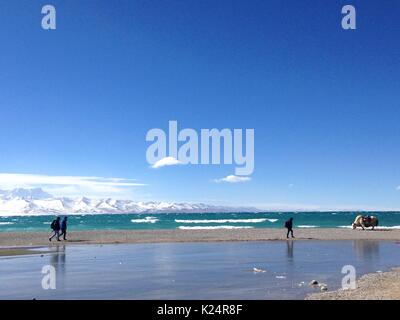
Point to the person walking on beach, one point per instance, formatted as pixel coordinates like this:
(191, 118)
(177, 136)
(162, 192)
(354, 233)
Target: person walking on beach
(55, 226)
(289, 227)
(64, 228)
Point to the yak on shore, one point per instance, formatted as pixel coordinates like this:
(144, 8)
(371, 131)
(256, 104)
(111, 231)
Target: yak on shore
(365, 222)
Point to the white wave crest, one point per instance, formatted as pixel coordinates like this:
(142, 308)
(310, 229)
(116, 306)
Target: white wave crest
(214, 227)
(307, 226)
(5, 223)
(392, 227)
(145, 220)
(224, 221)
(376, 228)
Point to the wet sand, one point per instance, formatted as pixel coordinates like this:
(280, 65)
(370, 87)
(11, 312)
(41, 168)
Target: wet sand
(9, 252)
(373, 286)
(161, 236)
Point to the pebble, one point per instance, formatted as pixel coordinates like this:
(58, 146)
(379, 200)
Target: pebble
(313, 283)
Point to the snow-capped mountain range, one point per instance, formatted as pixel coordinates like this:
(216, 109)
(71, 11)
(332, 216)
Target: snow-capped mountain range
(38, 202)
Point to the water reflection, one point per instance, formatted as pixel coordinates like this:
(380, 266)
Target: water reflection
(289, 249)
(58, 259)
(366, 249)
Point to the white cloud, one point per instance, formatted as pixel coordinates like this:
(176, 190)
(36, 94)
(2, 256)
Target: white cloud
(167, 161)
(233, 179)
(70, 185)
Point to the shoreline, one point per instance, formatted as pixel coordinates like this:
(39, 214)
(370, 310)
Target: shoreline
(178, 236)
(371, 286)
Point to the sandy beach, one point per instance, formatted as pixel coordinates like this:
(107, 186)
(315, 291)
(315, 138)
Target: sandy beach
(161, 236)
(373, 286)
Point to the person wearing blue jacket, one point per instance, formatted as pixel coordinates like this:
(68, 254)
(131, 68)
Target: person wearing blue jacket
(64, 228)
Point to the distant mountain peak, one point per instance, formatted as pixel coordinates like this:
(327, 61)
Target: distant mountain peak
(35, 201)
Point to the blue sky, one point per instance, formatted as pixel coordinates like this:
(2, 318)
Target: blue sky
(77, 102)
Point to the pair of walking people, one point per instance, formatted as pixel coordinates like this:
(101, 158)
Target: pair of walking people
(59, 228)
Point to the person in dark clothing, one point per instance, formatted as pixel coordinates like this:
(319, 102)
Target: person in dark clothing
(64, 228)
(289, 227)
(55, 226)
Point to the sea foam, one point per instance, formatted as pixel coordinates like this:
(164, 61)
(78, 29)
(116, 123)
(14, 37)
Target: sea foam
(225, 221)
(378, 228)
(307, 226)
(213, 227)
(145, 220)
(385, 227)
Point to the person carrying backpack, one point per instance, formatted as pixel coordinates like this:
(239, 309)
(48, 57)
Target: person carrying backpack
(289, 227)
(55, 226)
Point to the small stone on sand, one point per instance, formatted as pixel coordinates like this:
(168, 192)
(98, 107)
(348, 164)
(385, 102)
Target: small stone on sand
(313, 283)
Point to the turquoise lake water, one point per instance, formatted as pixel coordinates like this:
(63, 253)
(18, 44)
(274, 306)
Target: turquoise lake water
(196, 221)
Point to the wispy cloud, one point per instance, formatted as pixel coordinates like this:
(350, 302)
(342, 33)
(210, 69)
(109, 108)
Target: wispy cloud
(70, 185)
(233, 179)
(167, 161)
(398, 188)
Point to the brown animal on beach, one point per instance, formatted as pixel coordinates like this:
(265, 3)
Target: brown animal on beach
(365, 222)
